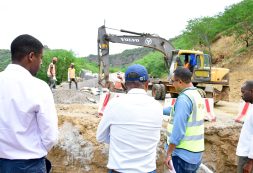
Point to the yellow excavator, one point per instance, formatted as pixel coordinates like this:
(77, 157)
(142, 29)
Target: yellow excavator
(213, 82)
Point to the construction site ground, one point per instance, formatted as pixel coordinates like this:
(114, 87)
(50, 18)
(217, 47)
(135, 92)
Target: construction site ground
(78, 151)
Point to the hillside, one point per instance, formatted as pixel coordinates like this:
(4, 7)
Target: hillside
(124, 58)
(229, 53)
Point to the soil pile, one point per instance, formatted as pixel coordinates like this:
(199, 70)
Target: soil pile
(77, 149)
(86, 93)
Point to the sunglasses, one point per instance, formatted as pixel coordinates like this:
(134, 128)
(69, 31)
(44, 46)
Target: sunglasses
(172, 81)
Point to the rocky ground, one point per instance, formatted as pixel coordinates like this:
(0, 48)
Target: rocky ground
(79, 152)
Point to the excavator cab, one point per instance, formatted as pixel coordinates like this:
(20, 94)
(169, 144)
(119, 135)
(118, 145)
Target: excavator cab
(202, 70)
(197, 62)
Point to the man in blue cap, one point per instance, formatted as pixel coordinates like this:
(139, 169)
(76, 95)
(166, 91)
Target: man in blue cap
(131, 125)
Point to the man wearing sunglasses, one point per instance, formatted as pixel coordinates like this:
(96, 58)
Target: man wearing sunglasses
(185, 139)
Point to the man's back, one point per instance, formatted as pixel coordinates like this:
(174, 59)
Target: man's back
(28, 120)
(25, 107)
(135, 121)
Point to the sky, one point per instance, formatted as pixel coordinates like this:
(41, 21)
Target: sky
(73, 24)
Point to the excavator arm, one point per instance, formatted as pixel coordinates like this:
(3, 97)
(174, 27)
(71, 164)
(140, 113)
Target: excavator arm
(137, 39)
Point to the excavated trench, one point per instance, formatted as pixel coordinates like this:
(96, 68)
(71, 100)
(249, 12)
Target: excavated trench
(78, 151)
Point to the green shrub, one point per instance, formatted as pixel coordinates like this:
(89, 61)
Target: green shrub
(65, 58)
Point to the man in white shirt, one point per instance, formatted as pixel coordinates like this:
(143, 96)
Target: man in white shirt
(131, 125)
(245, 145)
(28, 119)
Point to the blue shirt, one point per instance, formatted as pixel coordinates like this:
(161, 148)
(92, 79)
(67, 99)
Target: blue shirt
(183, 109)
(193, 60)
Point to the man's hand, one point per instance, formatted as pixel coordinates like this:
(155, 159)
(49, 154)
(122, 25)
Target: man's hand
(167, 162)
(248, 167)
(171, 148)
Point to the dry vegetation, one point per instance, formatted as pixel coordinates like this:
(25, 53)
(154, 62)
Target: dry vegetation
(231, 54)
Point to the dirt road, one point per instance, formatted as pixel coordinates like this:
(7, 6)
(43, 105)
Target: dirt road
(224, 111)
(227, 109)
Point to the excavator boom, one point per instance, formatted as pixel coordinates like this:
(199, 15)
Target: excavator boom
(138, 39)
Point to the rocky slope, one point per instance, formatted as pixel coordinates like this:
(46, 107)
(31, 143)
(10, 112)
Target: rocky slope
(229, 53)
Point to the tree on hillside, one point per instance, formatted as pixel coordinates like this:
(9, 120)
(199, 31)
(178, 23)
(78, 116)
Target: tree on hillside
(239, 18)
(201, 31)
(236, 20)
(154, 63)
(244, 31)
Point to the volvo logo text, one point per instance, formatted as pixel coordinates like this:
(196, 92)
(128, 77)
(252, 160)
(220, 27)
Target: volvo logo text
(132, 40)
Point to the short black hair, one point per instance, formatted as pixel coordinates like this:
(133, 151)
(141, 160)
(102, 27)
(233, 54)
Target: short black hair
(184, 74)
(248, 84)
(23, 45)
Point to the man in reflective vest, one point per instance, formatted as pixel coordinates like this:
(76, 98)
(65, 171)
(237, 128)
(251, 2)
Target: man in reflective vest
(185, 139)
(72, 75)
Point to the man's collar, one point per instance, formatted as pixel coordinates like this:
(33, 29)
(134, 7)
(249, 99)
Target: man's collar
(188, 88)
(137, 91)
(18, 68)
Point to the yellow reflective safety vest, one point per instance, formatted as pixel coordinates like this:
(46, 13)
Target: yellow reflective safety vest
(194, 136)
(71, 73)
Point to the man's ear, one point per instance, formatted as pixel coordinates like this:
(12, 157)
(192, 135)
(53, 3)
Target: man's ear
(31, 56)
(146, 86)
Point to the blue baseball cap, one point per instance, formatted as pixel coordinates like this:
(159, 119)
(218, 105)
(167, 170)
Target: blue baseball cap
(136, 72)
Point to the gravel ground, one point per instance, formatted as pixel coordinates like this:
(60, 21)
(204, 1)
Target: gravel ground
(86, 93)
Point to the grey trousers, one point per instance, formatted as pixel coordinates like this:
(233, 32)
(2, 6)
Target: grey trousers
(51, 83)
(240, 163)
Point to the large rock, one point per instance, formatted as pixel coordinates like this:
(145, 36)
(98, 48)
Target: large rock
(220, 146)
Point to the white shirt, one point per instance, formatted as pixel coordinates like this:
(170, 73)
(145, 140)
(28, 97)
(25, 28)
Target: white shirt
(245, 144)
(131, 124)
(28, 119)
